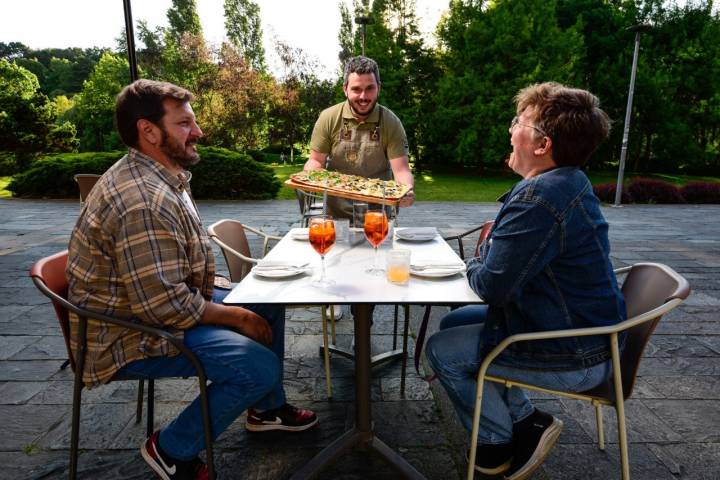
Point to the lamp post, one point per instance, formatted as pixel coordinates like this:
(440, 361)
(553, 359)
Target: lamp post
(638, 29)
(130, 38)
(364, 19)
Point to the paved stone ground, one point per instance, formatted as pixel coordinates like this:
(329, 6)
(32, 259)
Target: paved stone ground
(673, 418)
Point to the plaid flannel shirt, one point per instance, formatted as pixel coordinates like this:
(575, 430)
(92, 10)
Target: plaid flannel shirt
(137, 252)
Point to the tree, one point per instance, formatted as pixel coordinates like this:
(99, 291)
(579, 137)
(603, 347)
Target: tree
(489, 53)
(301, 97)
(242, 24)
(95, 104)
(27, 118)
(183, 18)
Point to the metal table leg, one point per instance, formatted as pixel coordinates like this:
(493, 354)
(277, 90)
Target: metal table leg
(362, 436)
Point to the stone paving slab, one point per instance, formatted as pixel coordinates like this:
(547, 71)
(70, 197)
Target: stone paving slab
(673, 417)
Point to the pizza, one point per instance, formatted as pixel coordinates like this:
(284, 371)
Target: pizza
(369, 187)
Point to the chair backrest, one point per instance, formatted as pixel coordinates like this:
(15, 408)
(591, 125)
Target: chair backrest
(484, 232)
(85, 181)
(48, 274)
(232, 234)
(647, 286)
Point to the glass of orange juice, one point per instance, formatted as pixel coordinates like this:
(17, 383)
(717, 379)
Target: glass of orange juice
(397, 266)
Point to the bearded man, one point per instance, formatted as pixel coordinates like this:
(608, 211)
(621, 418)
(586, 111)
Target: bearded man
(360, 136)
(139, 251)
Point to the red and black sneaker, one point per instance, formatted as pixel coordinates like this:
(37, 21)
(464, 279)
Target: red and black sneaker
(287, 417)
(169, 468)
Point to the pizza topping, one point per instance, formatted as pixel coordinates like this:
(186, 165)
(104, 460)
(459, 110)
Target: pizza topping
(371, 187)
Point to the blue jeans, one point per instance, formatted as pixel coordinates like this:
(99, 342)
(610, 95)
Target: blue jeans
(454, 355)
(242, 373)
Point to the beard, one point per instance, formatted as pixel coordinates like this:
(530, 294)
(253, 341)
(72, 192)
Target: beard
(177, 152)
(360, 110)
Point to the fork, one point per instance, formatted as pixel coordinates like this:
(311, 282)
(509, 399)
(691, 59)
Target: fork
(283, 267)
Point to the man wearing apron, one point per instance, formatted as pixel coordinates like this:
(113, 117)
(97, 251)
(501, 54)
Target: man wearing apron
(360, 136)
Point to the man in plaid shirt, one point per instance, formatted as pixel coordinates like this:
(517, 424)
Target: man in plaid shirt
(139, 250)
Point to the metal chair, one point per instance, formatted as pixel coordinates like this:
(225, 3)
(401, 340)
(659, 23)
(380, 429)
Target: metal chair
(48, 274)
(230, 236)
(484, 231)
(651, 290)
(85, 181)
(310, 204)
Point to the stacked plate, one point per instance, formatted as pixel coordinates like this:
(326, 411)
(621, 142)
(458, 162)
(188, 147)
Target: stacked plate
(278, 269)
(301, 234)
(436, 268)
(416, 234)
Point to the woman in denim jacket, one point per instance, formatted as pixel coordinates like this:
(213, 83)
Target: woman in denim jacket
(545, 266)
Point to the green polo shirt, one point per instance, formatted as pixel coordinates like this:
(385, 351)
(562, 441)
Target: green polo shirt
(327, 129)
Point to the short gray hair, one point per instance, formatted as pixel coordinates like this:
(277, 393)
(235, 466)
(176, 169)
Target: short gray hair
(361, 65)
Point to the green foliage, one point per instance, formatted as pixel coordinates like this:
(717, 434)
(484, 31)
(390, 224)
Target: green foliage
(244, 30)
(52, 176)
(27, 119)
(95, 105)
(183, 18)
(221, 174)
(488, 55)
(224, 174)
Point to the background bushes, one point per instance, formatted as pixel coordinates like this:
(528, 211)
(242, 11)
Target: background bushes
(221, 174)
(646, 190)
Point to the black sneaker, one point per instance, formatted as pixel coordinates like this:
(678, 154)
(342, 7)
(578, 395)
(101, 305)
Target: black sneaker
(533, 438)
(169, 468)
(492, 459)
(287, 417)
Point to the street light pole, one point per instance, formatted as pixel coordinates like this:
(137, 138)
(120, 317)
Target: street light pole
(364, 19)
(638, 29)
(130, 38)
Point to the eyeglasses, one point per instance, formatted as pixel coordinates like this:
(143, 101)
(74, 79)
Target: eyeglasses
(516, 121)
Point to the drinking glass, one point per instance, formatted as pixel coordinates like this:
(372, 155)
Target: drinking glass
(398, 266)
(321, 233)
(376, 230)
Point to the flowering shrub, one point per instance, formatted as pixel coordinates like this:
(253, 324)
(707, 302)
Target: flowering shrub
(646, 190)
(701, 192)
(606, 193)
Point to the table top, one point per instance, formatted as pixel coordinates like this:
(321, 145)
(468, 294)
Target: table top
(345, 264)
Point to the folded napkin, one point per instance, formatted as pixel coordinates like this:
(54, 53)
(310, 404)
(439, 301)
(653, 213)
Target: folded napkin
(416, 232)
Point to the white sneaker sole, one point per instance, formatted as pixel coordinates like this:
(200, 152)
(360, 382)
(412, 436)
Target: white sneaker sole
(152, 463)
(545, 445)
(253, 427)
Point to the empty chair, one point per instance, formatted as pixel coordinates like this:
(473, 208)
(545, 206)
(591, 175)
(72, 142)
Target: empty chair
(310, 204)
(650, 290)
(85, 181)
(48, 274)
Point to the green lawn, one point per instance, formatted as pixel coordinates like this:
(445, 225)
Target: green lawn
(455, 187)
(3, 185)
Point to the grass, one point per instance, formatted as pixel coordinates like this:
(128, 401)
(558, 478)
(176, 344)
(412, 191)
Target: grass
(4, 192)
(455, 187)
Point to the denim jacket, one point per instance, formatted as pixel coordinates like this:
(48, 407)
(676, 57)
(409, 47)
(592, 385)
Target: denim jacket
(545, 267)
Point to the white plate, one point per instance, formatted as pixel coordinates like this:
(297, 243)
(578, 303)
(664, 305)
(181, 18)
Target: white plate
(416, 234)
(277, 273)
(300, 234)
(437, 272)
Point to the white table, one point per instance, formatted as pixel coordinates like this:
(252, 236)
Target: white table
(346, 264)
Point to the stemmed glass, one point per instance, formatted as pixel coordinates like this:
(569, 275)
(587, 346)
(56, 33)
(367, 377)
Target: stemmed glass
(376, 230)
(322, 238)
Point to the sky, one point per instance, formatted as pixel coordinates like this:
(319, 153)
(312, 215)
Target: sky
(311, 25)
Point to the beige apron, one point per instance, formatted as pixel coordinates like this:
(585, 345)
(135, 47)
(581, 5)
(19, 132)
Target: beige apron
(358, 151)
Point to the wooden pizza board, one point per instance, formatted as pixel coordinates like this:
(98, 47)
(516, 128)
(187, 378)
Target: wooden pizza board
(342, 193)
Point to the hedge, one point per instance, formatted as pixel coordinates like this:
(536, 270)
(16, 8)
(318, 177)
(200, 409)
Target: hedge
(221, 174)
(647, 190)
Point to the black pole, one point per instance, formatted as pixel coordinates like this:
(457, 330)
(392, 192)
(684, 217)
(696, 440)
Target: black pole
(130, 37)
